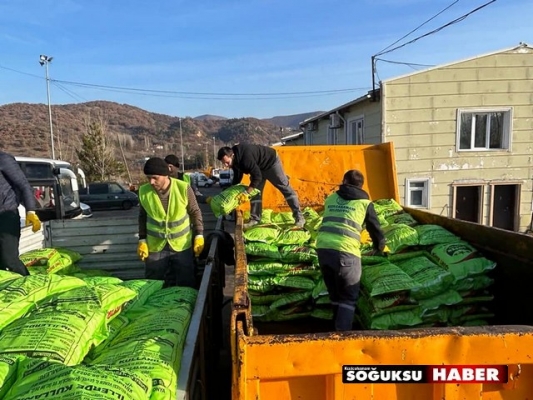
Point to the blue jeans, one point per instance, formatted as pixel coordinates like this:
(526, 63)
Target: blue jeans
(175, 268)
(342, 275)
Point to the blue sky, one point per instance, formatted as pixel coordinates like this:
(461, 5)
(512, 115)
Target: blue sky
(235, 58)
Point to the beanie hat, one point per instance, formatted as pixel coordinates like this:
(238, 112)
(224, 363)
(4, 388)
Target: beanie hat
(156, 166)
(173, 160)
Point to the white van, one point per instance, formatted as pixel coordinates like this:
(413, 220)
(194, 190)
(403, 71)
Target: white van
(202, 180)
(225, 178)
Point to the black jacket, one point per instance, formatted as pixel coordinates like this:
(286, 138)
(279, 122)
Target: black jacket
(350, 192)
(14, 187)
(252, 159)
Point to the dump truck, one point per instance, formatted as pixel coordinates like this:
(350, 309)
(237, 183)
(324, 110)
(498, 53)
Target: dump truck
(299, 359)
(110, 244)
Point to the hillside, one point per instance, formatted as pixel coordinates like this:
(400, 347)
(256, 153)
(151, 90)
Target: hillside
(291, 121)
(25, 131)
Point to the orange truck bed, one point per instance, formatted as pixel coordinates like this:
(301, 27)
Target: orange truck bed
(292, 360)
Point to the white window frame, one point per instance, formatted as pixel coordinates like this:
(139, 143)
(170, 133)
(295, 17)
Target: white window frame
(351, 137)
(507, 128)
(426, 192)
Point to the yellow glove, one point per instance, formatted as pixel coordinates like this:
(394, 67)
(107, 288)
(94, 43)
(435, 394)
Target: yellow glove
(33, 219)
(208, 200)
(198, 245)
(142, 249)
(386, 250)
(243, 198)
(365, 237)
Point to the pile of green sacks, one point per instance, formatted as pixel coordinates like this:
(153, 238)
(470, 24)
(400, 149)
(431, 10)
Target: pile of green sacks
(70, 333)
(430, 278)
(283, 267)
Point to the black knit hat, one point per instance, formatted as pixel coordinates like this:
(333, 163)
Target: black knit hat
(156, 166)
(173, 160)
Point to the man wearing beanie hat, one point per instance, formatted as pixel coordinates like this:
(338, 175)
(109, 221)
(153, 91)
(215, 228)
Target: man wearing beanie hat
(168, 209)
(174, 166)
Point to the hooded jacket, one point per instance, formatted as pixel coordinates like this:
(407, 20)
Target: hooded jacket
(350, 192)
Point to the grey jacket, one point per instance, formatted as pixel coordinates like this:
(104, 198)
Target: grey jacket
(14, 187)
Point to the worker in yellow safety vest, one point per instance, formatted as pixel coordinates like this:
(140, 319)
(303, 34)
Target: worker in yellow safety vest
(168, 210)
(174, 166)
(339, 244)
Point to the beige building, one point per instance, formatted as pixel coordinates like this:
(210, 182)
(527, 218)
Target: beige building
(463, 135)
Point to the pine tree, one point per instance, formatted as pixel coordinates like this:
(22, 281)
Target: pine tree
(96, 155)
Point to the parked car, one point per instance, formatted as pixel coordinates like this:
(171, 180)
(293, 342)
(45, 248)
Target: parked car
(105, 195)
(203, 181)
(225, 178)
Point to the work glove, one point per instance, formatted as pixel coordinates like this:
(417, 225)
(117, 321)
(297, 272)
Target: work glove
(33, 219)
(198, 245)
(382, 253)
(243, 198)
(208, 200)
(365, 237)
(142, 249)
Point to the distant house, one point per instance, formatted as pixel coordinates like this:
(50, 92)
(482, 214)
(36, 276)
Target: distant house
(463, 135)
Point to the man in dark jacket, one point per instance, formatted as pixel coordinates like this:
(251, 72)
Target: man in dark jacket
(339, 244)
(14, 190)
(263, 164)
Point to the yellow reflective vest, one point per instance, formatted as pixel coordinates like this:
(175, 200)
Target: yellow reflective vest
(172, 226)
(342, 223)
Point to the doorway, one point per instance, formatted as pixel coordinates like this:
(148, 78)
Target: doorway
(504, 206)
(467, 202)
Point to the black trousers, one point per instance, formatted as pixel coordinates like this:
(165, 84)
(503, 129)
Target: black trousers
(342, 276)
(175, 268)
(9, 243)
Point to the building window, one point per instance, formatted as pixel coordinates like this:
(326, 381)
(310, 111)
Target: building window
(356, 131)
(481, 130)
(417, 193)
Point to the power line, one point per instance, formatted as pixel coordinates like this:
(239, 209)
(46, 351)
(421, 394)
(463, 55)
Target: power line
(193, 95)
(418, 27)
(69, 92)
(129, 89)
(373, 59)
(455, 21)
(20, 72)
(405, 63)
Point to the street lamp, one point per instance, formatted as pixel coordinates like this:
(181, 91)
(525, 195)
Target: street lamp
(181, 139)
(45, 60)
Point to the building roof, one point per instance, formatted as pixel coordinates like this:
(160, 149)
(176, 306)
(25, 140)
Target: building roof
(326, 114)
(520, 46)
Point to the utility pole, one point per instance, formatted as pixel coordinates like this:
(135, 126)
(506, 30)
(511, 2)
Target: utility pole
(45, 60)
(206, 156)
(214, 154)
(181, 139)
